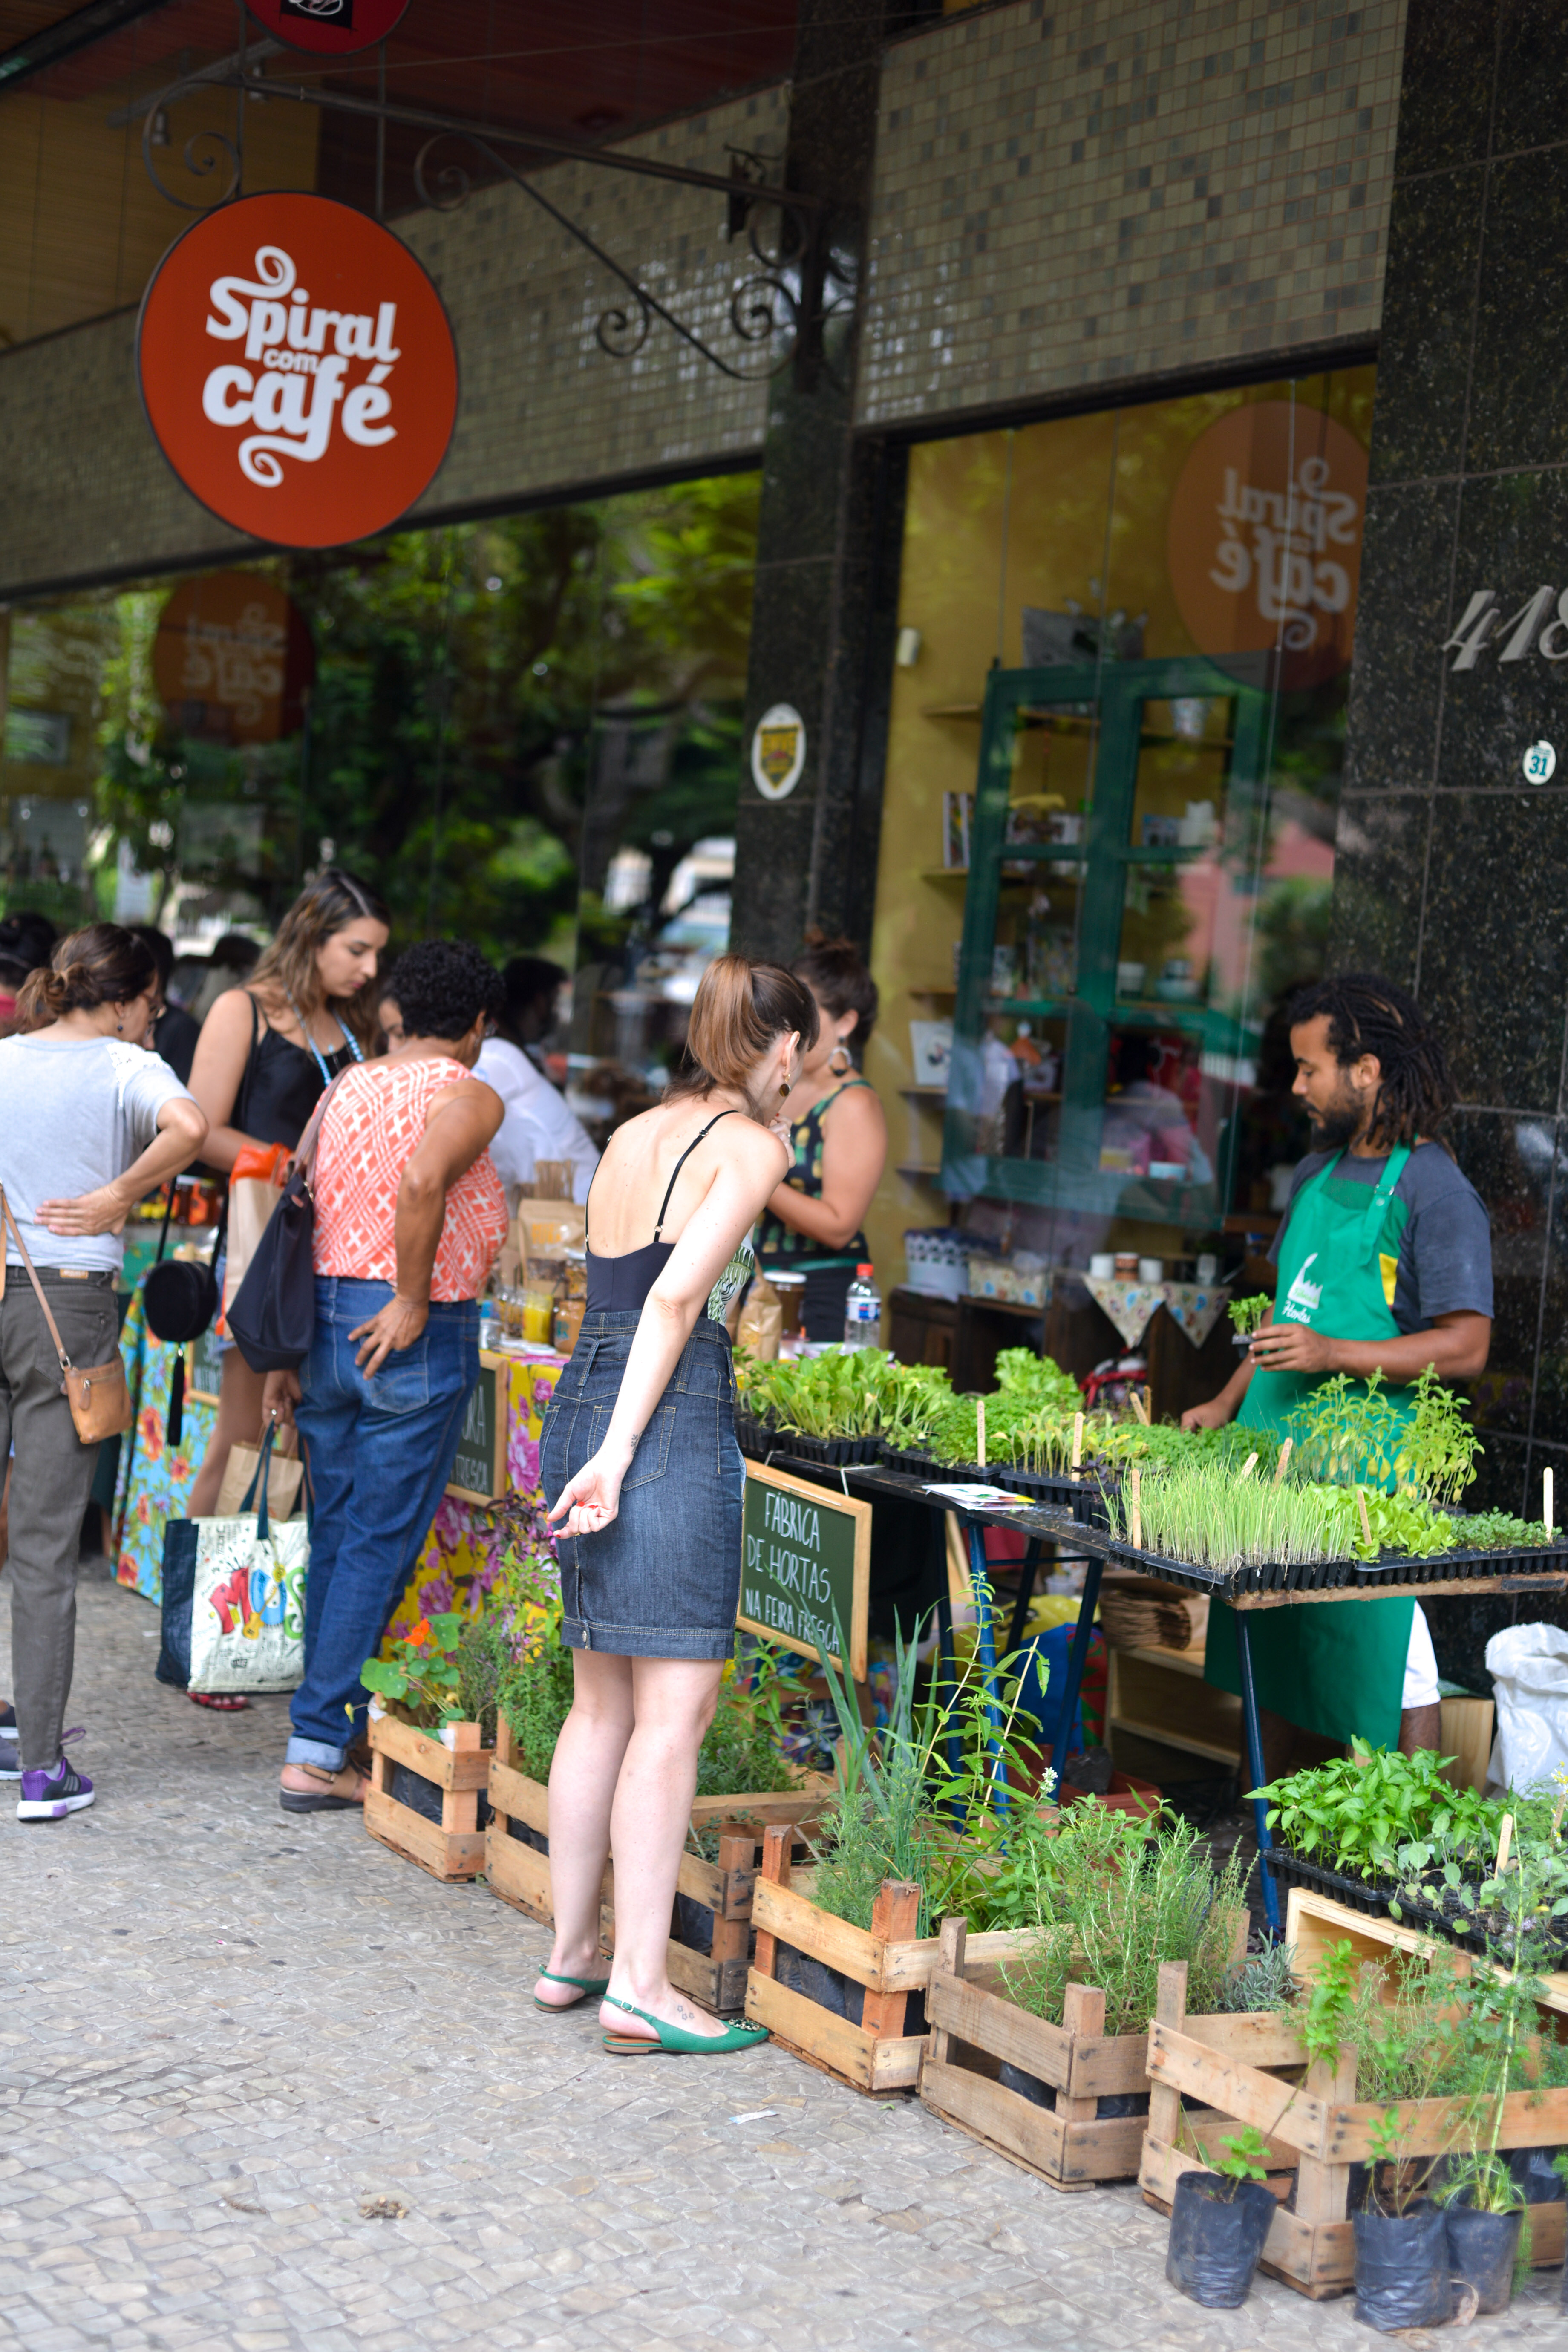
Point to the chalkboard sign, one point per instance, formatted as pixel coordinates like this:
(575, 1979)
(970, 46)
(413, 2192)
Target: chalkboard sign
(204, 1368)
(478, 1474)
(807, 1554)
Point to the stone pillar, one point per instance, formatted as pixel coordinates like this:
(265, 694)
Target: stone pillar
(828, 534)
(1452, 873)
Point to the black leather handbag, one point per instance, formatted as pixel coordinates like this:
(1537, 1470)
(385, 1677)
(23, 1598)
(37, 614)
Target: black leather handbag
(272, 1315)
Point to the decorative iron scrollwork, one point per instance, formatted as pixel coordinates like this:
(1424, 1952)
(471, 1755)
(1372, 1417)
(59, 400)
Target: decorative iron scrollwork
(202, 152)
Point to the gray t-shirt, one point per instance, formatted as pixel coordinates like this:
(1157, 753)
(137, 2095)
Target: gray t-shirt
(1446, 1248)
(73, 1114)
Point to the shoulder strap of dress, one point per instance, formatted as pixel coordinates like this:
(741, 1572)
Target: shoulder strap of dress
(679, 1164)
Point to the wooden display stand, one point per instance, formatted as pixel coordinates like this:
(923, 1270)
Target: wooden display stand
(716, 1979)
(971, 2031)
(1314, 2127)
(890, 1963)
(453, 1847)
(1315, 1922)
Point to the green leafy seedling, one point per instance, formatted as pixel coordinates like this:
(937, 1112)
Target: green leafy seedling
(1245, 2152)
(1248, 1314)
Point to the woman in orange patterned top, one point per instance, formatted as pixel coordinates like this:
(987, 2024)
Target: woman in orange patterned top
(409, 1217)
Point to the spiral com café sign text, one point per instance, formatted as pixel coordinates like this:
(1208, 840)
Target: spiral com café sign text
(297, 370)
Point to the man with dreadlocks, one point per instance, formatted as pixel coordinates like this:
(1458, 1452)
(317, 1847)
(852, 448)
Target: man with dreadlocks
(1385, 1266)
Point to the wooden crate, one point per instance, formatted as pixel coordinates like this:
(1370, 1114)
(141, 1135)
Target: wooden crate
(890, 1963)
(1315, 1922)
(974, 2030)
(454, 1759)
(715, 1980)
(1310, 2117)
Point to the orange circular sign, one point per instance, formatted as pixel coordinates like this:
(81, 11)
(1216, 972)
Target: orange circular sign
(1265, 537)
(297, 368)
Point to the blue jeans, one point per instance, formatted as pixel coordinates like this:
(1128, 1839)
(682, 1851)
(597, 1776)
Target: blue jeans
(380, 1452)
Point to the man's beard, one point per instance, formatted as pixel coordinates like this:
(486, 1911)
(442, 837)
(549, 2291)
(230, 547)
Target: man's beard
(1336, 1129)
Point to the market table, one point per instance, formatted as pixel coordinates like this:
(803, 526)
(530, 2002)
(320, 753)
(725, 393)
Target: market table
(1044, 1524)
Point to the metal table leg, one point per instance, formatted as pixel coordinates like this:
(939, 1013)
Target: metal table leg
(985, 1647)
(1026, 1594)
(1077, 1658)
(1255, 1767)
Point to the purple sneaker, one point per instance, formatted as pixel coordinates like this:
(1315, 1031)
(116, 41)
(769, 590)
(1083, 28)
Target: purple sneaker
(49, 1796)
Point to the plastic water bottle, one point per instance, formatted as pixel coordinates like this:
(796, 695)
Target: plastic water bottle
(863, 1310)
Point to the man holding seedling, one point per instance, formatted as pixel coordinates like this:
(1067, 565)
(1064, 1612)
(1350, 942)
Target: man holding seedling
(1385, 1266)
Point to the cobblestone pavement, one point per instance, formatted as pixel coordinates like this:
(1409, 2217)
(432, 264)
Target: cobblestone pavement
(227, 2031)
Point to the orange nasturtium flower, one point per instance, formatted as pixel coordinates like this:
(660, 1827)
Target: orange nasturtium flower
(420, 1634)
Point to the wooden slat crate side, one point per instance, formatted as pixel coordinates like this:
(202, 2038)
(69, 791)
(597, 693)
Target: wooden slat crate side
(1069, 2154)
(519, 1874)
(780, 1911)
(1085, 2066)
(1432, 2126)
(803, 1806)
(1281, 2110)
(511, 1792)
(1260, 2038)
(446, 1853)
(865, 2061)
(467, 1765)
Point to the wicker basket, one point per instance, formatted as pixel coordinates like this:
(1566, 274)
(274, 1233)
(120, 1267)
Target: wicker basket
(1136, 1613)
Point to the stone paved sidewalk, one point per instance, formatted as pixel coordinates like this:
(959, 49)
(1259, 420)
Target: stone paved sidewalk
(225, 2032)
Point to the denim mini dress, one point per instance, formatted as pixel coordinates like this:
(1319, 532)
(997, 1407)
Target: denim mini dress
(663, 1579)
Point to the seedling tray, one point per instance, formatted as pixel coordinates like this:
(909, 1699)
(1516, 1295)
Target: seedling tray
(1439, 1915)
(1083, 1497)
(761, 1439)
(1335, 1575)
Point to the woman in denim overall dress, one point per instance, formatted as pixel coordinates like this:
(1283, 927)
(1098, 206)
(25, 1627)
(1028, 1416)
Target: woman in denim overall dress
(646, 1480)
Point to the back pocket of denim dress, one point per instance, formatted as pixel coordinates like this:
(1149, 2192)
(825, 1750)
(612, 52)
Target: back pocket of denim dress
(652, 1457)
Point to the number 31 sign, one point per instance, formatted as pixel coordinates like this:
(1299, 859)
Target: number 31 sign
(297, 368)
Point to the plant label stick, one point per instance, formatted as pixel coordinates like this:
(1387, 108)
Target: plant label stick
(1505, 1838)
(1365, 1522)
(1137, 1514)
(1284, 1458)
(1077, 1457)
(980, 1433)
(1546, 1501)
(1247, 1469)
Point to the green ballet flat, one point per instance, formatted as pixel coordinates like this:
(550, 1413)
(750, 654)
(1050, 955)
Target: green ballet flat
(674, 2041)
(585, 1985)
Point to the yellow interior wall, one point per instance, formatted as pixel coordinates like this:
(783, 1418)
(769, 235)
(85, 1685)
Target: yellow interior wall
(994, 521)
(86, 226)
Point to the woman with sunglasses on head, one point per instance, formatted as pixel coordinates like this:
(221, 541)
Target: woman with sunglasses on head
(269, 1051)
(639, 1456)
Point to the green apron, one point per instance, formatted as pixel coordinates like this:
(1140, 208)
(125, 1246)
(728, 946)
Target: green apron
(1336, 1667)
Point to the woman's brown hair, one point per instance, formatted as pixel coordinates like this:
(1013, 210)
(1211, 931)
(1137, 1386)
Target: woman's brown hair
(831, 968)
(326, 905)
(104, 964)
(741, 1009)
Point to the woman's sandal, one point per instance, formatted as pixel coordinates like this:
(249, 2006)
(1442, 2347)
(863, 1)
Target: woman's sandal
(587, 1985)
(674, 2041)
(301, 1800)
(221, 1702)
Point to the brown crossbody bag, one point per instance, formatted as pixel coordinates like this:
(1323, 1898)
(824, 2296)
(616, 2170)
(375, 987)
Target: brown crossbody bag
(97, 1393)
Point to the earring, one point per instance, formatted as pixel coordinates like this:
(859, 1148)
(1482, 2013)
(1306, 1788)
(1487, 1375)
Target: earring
(783, 1091)
(838, 1061)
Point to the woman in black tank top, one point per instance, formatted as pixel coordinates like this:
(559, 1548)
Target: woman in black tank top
(268, 1052)
(640, 1466)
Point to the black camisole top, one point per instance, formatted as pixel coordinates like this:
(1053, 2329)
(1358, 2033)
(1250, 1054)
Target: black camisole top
(620, 1285)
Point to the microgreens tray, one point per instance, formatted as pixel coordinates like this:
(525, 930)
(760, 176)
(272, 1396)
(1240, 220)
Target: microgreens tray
(1329, 1575)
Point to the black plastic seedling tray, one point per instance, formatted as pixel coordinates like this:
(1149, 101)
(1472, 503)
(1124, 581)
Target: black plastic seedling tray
(1334, 1575)
(761, 1439)
(1373, 1897)
(1083, 1497)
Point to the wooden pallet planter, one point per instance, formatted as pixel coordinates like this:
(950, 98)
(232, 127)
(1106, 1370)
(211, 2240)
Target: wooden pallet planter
(519, 1872)
(1315, 2128)
(453, 1847)
(890, 1965)
(975, 2032)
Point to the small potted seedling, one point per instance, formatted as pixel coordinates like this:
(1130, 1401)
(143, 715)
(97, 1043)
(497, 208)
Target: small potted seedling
(1248, 1314)
(1219, 2220)
(1401, 2246)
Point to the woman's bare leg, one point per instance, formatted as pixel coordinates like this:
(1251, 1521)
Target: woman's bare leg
(673, 1701)
(582, 1774)
(239, 1423)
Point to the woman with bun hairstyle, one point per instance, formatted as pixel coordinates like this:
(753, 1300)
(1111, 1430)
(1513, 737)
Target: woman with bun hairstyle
(269, 1050)
(838, 1142)
(640, 1460)
(90, 1122)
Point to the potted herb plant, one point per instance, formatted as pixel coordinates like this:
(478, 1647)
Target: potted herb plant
(432, 1732)
(1219, 2220)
